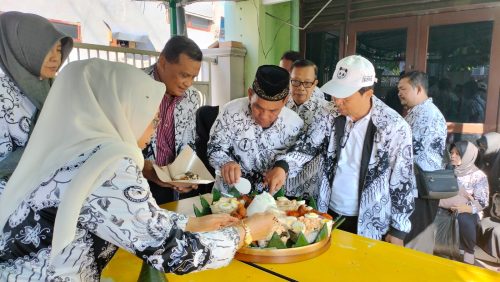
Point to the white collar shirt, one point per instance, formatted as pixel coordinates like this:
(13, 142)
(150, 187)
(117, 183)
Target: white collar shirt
(345, 191)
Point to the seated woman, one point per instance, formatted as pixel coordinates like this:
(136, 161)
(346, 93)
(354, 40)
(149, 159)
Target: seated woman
(489, 146)
(78, 192)
(31, 52)
(472, 197)
(489, 150)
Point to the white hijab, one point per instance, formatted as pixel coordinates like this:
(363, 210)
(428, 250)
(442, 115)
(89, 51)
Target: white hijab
(91, 103)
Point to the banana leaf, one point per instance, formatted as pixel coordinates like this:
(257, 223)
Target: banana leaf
(197, 212)
(276, 242)
(280, 193)
(312, 203)
(234, 192)
(301, 241)
(216, 195)
(323, 234)
(151, 274)
(205, 206)
(338, 222)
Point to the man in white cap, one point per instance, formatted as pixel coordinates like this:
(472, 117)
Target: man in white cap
(367, 148)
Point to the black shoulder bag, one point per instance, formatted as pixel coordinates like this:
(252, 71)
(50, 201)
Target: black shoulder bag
(438, 184)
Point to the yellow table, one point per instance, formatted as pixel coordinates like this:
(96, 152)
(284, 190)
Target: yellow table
(355, 258)
(125, 267)
(350, 258)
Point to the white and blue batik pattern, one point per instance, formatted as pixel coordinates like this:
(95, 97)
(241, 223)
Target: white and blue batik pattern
(235, 136)
(118, 213)
(429, 132)
(16, 114)
(387, 197)
(184, 119)
(309, 179)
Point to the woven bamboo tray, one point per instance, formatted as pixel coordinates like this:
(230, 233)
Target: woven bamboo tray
(282, 255)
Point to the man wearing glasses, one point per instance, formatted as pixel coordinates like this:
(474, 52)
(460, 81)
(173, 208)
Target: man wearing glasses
(286, 62)
(250, 133)
(367, 148)
(303, 82)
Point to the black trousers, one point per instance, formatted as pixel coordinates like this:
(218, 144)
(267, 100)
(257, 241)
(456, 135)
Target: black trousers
(350, 223)
(468, 224)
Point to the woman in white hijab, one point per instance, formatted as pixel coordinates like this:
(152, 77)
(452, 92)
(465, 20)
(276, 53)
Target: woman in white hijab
(31, 52)
(78, 192)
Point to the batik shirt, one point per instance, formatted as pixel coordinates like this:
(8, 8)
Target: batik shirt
(236, 137)
(476, 184)
(118, 213)
(318, 93)
(310, 111)
(184, 119)
(429, 132)
(16, 113)
(386, 200)
(309, 179)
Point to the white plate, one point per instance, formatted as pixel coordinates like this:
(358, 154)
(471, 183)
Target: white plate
(243, 186)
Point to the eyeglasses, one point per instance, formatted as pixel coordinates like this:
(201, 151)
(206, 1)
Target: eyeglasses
(347, 132)
(298, 83)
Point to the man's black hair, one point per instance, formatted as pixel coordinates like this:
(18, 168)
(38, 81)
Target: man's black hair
(302, 63)
(291, 56)
(178, 45)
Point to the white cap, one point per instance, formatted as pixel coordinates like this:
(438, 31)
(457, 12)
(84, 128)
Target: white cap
(351, 74)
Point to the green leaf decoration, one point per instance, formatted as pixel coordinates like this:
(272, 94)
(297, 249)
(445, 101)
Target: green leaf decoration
(338, 222)
(234, 192)
(276, 242)
(299, 198)
(301, 241)
(280, 193)
(216, 195)
(150, 274)
(254, 193)
(197, 212)
(205, 206)
(204, 203)
(312, 203)
(337, 218)
(323, 234)
(206, 211)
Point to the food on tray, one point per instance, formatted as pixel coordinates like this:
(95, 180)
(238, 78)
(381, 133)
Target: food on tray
(231, 206)
(224, 205)
(285, 204)
(187, 176)
(297, 223)
(261, 203)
